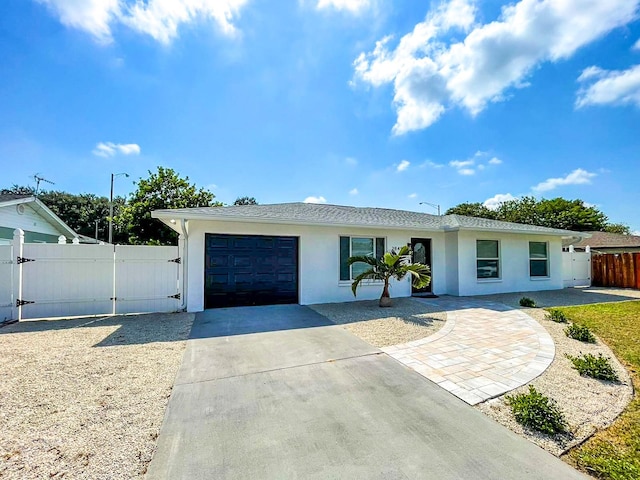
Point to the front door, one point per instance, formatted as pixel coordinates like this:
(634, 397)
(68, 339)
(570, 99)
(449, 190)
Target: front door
(421, 248)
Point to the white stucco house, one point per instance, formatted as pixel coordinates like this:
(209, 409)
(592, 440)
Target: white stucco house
(39, 223)
(297, 252)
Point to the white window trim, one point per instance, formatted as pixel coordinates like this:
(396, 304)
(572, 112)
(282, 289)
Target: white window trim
(347, 283)
(537, 278)
(489, 279)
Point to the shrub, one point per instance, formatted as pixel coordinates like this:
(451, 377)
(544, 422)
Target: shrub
(579, 332)
(527, 302)
(595, 367)
(557, 316)
(538, 412)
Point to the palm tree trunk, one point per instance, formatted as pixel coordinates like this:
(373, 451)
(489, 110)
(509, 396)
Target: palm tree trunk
(385, 298)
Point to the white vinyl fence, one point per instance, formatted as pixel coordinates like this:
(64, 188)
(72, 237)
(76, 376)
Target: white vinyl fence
(6, 276)
(63, 280)
(576, 269)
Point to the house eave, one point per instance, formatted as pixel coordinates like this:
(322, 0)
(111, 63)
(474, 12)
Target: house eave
(167, 216)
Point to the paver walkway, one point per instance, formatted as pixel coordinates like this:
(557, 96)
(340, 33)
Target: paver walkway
(484, 350)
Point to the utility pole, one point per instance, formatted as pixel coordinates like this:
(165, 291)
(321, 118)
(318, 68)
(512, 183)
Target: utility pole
(113, 176)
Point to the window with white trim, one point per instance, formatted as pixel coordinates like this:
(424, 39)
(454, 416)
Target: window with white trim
(487, 259)
(538, 259)
(358, 246)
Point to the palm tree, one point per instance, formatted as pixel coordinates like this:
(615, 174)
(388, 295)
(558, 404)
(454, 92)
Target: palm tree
(392, 265)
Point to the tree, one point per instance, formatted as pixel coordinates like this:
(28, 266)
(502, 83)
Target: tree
(620, 228)
(163, 189)
(472, 210)
(394, 264)
(245, 201)
(553, 213)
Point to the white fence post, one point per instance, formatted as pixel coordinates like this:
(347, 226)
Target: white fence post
(18, 253)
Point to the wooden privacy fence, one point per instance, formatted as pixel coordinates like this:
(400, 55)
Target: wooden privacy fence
(616, 270)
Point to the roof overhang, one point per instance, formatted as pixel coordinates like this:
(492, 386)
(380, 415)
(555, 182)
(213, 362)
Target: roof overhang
(172, 220)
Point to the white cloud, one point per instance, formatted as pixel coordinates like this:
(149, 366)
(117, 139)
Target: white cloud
(312, 199)
(351, 161)
(464, 166)
(636, 46)
(403, 165)
(495, 201)
(431, 164)
(577, 177)
(431, 72)
(495, 161)
(636, 232)
(614, 87)
(461, 163)
(158, 18)
(353, 6)
(110, 149)
(412, 195)
(354, 191)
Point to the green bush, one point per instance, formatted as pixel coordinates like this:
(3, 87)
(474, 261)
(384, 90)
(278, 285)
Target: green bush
(538, 412)
(557, 316)
(595, 367)
(527, 302)
(579, 332)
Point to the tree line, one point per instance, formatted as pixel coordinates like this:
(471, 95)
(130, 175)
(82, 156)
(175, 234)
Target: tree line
(558, 212)
(132, 222)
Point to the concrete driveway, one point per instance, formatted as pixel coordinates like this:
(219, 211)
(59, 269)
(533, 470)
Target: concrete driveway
(279, 392)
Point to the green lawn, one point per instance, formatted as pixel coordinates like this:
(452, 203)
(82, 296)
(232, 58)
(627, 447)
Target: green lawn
(613, 453)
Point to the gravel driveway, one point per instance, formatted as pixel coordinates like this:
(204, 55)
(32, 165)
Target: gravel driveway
(85, 398)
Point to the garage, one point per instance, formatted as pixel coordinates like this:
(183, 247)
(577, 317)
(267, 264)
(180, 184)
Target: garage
(243, 270)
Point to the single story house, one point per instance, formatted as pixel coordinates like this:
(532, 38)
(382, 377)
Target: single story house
(39, 223)
(604, 242)
(297, 253)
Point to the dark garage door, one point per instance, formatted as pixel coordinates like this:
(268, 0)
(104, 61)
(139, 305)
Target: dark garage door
(250, 270)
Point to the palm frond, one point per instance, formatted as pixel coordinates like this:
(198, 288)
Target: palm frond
(366, 275)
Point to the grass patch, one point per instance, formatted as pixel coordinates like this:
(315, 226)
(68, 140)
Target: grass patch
(538, 412)
(613, 453)
(580, 332)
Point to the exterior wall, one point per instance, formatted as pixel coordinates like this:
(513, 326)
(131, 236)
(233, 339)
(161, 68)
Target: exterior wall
(318, 262)
(514, 264)
(451, 258)
(37, 229)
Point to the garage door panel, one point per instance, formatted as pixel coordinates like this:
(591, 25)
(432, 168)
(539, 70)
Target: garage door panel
(250, 270)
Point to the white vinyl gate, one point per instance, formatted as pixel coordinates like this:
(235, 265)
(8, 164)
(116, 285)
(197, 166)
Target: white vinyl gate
(63, 280)
(576, 269)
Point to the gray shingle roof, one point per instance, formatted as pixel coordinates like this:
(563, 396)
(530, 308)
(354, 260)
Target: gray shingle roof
(323, 214)
(609, 240)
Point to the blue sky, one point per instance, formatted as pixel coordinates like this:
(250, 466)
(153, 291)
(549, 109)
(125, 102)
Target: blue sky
(356, 102)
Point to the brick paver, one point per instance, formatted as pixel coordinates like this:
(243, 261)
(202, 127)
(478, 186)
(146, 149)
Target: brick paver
(484, 350)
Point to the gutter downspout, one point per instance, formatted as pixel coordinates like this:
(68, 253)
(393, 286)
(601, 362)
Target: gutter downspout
(185, 263)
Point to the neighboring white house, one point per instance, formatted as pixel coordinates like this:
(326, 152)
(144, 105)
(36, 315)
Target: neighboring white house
(297, 252)
(39, 223)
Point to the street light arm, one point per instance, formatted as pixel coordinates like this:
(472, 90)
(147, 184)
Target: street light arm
(432, 205)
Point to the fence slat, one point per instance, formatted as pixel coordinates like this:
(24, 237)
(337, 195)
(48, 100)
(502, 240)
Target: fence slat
(620, 270)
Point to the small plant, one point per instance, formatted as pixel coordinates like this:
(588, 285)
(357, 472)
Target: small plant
(537, 411)
(557, 316)
(579, 332)
(595, 367)
(527, 302)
